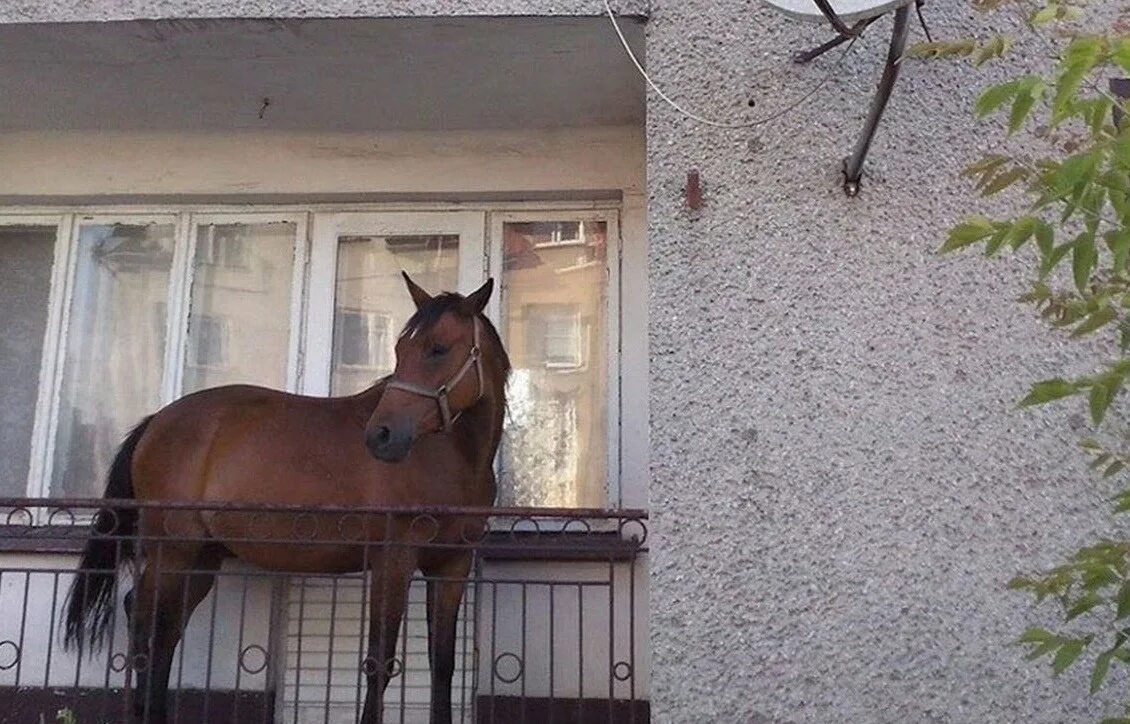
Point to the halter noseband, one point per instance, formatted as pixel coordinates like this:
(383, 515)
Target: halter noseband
(474, 359)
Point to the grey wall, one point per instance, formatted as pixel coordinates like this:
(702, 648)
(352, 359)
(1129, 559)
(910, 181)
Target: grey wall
(840, 484)
(25, 276)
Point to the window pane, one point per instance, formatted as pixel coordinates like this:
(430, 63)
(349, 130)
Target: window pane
(371, 303)
(25, 280)
(554, 277)
(239, 324)
(114, 352)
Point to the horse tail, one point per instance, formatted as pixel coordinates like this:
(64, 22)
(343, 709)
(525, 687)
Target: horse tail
(89, 602)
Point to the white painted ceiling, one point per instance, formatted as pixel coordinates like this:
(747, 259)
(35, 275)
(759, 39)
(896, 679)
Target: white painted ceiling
(340, 75)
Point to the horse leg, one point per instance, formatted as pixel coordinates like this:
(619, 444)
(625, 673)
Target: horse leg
(159, 608)
(446, 582)
(390, 575)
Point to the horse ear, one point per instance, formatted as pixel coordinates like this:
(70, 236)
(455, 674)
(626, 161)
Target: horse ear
(474, 304)
(419, 296)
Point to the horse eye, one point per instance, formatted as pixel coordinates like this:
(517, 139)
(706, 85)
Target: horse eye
(438, 350)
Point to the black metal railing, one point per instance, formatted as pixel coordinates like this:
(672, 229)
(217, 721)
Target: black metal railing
(551, 626)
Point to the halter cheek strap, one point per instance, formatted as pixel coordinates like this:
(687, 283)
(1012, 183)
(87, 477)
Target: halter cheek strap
(440, 394)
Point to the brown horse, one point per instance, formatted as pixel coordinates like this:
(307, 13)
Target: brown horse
(425, 436)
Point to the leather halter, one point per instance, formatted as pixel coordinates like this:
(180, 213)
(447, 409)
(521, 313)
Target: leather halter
(474, 359)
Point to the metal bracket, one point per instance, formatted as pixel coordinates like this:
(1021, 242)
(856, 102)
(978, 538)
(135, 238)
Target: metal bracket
(853, 164)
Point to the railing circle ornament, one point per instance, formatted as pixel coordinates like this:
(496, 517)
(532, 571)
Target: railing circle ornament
(633, 529)
(118, 662)
(255, 653)
(9, 655)
(504, 660)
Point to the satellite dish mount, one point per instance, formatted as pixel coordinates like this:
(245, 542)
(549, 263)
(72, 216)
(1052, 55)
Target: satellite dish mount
(849, 18)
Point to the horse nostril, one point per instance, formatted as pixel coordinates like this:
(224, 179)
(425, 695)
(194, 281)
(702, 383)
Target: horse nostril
(387, 443)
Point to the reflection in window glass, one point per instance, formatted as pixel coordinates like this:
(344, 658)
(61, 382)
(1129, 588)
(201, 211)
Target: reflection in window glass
(239, 322)
(113, 361)
(25, 278)
(555, 297)
(371, 303)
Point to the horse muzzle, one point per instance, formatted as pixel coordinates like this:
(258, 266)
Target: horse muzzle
(391, 442)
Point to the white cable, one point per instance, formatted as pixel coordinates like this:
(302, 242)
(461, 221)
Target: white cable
(707, 121)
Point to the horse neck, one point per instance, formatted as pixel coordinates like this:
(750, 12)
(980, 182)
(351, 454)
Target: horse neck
(483, 431)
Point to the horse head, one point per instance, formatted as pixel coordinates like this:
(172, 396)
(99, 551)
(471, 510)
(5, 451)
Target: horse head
(447, 361)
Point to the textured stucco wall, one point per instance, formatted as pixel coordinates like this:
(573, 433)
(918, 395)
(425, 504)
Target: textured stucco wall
(841, 486)
(58, 11)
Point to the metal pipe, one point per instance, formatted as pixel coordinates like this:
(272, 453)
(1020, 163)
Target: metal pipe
(853, 166)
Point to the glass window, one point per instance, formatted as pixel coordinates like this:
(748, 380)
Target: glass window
(112, 359)
(554, 308)
(364, 339)
(239, 322)
(371, 303)
(25, 281)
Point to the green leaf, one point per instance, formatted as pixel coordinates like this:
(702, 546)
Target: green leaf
(1067, 655)
(1095, 321)
(1022, 230)
(1036, 635)
(1073, 171)
(1121, 502)
(995, 47)
(1044, 15)
(1079, 59)
(1026, 97)
(1120, 53)
(1121, 151)
(966, 233)
(996, 241)
(1102, 393)
(1095, 113)
(1083, 260)
(1052, 260)
(1101, 460)
(1084, 604)
(1042, 650)
(1048, 390)
(1045, 237)
(995, 96)
(1003, 180)
(1118, 190)
(1123, 608)
(1115, 468)
(984, 166)
(1098, 673)
(1119, 243)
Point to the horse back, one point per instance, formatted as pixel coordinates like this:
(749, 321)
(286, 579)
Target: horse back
(245, 445)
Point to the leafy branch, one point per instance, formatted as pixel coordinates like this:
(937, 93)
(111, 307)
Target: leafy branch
(1072, 185)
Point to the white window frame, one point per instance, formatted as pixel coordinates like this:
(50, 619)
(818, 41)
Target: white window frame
(50, 362)
(68, 224)
(312, 299)
(612, 314)
(300, 259)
